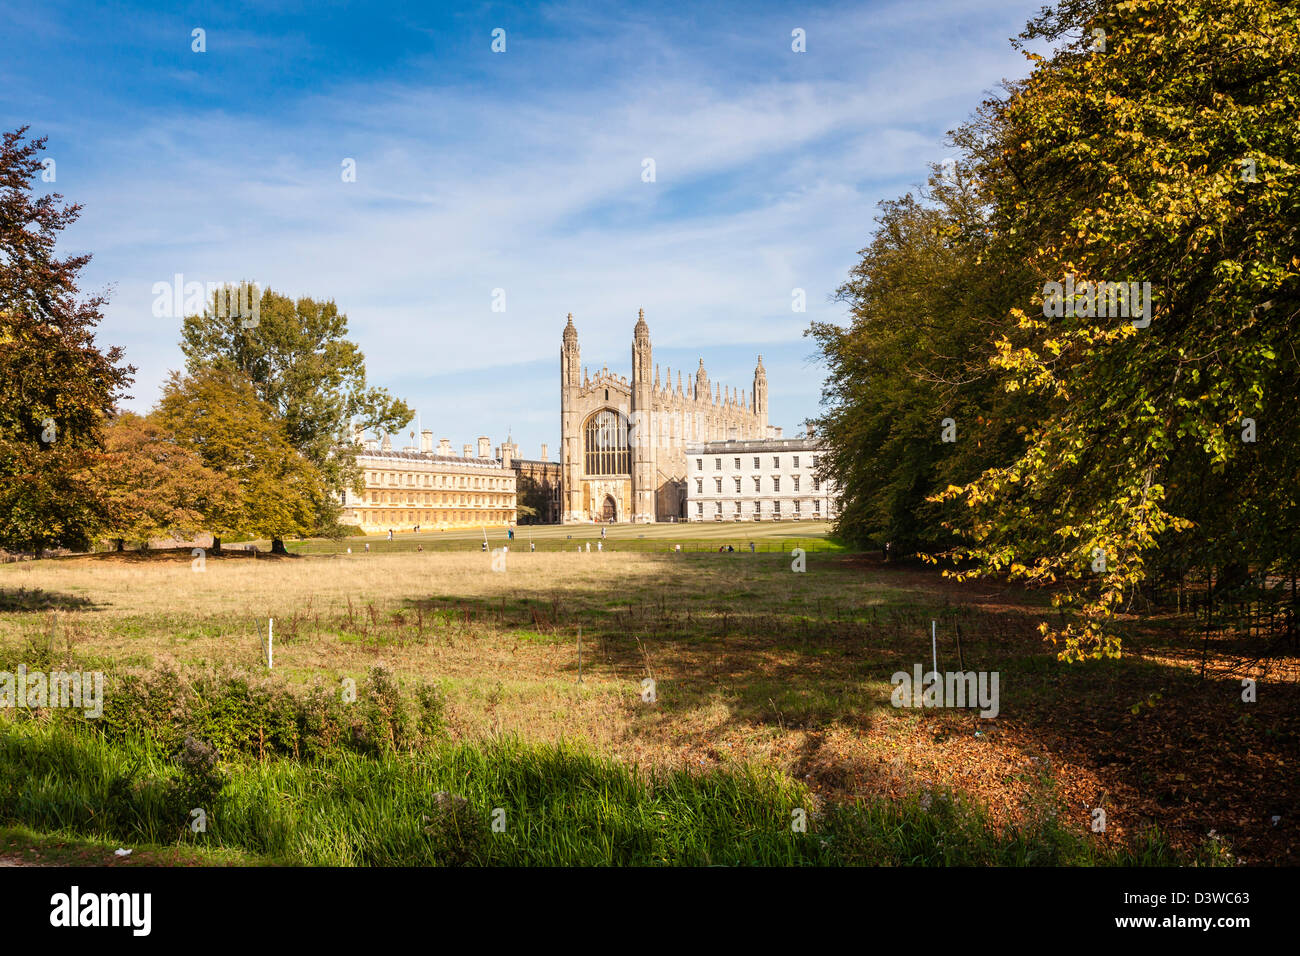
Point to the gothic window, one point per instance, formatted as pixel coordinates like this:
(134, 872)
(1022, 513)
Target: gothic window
(606, 444)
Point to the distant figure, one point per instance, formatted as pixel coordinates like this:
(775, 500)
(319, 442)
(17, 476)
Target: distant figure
(349, 550)
(367, 546)
(602, 532)
(485, 545)
(678, 549)
(888, 547)
(390, 534)
(532, 546)
(419, 547)
(510, 534)
(751, 547)
(600, 545)
(730, 549)
(588, 547)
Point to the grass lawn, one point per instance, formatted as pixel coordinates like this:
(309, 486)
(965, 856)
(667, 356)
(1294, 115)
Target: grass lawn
(662, 537)
(758, 670)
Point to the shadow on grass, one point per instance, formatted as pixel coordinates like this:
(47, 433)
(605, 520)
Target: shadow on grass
(26, 600)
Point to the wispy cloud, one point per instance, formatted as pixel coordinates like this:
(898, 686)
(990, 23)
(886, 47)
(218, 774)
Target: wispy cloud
(523, 172)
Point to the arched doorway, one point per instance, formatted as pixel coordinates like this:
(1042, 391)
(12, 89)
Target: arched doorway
(609, 512)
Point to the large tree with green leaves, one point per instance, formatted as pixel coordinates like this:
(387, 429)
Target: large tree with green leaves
(57, 385)
(301, 364)
(1156, 143)
(911, 403)
(1159, 145)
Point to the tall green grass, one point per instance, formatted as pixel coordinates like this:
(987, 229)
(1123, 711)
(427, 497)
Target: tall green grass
(562, 806)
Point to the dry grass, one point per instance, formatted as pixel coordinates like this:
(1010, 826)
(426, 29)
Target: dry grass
(752, 663)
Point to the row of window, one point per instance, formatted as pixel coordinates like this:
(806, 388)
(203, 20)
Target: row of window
(374, 478)
(384, 518)
(735, 462)
(796, 507)
(391, 498)
(758, 484)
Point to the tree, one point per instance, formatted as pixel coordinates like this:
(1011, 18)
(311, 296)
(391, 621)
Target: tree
(217, 414)
(911, 404)
(1168, 154)
(56, 385)
(301, 364)
(158, 488)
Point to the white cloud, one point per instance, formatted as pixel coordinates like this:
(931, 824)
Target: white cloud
(763, 185)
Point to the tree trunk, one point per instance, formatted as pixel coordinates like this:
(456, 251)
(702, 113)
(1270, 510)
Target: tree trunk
(216, 545)
(121, 544)
(277, 546)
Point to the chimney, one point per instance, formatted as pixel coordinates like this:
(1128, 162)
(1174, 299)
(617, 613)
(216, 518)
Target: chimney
(484, 447)
(426, 442)
(544, 458)
(812, 430)
(444, 447)
(467, 450)
(506, 454)
(387, 444)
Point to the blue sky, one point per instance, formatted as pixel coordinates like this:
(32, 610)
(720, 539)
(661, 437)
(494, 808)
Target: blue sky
(478, 171)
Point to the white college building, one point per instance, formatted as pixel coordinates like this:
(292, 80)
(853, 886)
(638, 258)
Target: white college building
(768, 480)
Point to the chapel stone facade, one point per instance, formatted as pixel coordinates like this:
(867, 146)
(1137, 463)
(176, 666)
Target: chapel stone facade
(623, 449)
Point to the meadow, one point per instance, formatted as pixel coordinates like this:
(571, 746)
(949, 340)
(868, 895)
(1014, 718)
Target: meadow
(526, 690)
